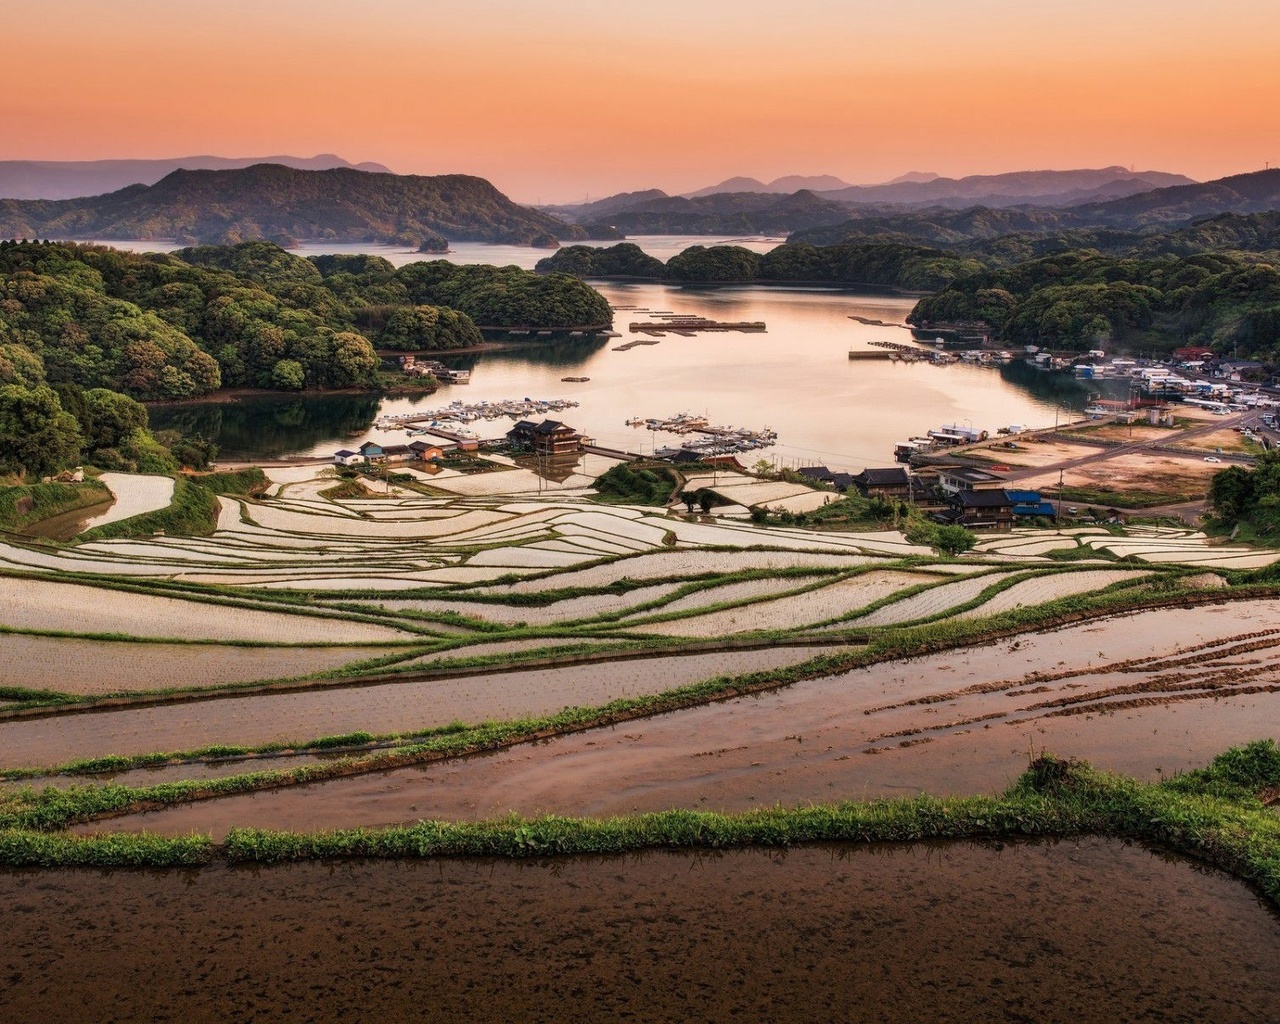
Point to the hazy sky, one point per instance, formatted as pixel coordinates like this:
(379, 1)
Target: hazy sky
(555, 99)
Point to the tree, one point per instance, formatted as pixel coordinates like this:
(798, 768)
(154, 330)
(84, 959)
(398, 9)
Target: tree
(288, 375)
(36, 435)
(109, 418)
(951, 540)
(705, 501)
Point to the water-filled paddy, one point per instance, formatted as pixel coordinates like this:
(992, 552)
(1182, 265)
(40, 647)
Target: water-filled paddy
(956, 722)
(384, 708)
(1060, 933)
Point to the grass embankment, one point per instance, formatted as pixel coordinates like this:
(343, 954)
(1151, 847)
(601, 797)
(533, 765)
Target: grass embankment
(193, 511)
(349, 489)
(1110, 498)
(1215, 814)
(24, 505)
(625, 484)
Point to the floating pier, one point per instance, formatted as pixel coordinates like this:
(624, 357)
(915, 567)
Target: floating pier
(688, 326)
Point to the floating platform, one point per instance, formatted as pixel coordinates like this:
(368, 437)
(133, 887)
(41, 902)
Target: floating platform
(679, 323)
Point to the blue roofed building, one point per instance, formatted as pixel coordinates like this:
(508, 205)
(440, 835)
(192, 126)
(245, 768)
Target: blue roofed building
(1029, 504)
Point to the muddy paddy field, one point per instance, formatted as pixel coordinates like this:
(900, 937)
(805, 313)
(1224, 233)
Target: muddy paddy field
(1071, 932)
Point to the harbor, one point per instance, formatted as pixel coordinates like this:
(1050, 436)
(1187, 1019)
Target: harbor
(714, 440)
(453, 420)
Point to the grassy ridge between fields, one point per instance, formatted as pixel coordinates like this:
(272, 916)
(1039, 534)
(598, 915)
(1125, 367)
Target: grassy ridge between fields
(1215, 814)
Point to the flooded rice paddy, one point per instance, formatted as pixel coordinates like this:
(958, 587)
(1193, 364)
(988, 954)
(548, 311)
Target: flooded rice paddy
(95, 667)
(958, 722)
(1079, 932)
(384, 708)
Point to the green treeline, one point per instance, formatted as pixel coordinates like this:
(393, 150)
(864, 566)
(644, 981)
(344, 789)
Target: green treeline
(44, 430)
(1080, 299)
(1248, 499)
(172, 326)
(889, 265)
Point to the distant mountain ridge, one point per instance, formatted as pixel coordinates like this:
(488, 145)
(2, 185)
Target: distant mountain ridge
(71, 179)
(269, 201)
(1041, 188)
(748, 205)
(722, 213)
(788, 184)
(1156, 210)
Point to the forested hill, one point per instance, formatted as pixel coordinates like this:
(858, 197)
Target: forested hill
(268, 201)
(177, 325)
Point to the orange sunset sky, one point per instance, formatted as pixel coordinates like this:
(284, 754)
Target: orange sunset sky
(553, 100)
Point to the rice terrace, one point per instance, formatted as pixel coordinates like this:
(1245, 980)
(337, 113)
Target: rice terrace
(563, 703)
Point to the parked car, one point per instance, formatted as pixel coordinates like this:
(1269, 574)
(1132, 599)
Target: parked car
(1212, 458)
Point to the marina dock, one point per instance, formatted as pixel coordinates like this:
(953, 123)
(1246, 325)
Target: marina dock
(452, 421)
(715, 440)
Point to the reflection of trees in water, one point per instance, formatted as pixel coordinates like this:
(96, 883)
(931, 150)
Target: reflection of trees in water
(1049, 386)
(267, 426)
(570, 352)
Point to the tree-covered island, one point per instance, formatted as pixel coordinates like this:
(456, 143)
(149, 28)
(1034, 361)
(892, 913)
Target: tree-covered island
(88, 332)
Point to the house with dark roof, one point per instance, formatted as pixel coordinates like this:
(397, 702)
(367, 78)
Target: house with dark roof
(550, 437)
(370, 451)
(883, 483)
(982, 510)
(346, 457)
(522, 432)
(823, 475)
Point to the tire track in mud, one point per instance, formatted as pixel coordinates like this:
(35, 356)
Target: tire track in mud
(1176, 678)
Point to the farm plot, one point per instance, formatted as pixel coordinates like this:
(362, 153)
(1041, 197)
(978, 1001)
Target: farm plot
(95, 667)
(931, 602)
(135, 495)
(399, 707)
(41, 606)
(511, 481)
(570, 610)
(1049, 587)
(954, 722)
(760, 492)
(743, 591)
(684, 562)
(792, 612)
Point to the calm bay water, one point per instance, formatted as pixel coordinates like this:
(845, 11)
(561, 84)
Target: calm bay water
(796, 378)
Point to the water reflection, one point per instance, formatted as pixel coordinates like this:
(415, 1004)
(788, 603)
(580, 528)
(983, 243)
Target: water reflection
(270, 426)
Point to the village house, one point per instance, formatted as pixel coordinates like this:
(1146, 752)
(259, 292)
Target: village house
(550, 437)
(954, 479)
(422, 451)
(373, 453)
(980, 510)
(820, 474)
(891, 484)
(1028, 505)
